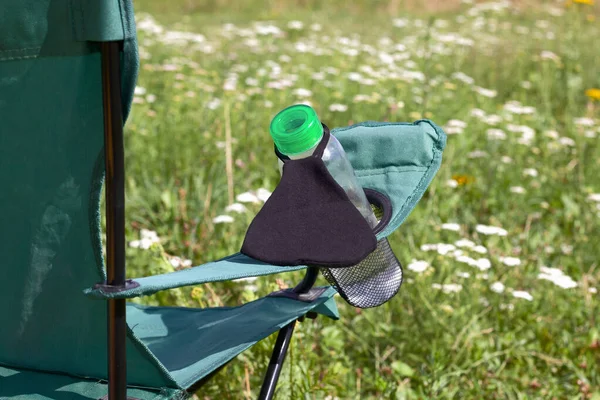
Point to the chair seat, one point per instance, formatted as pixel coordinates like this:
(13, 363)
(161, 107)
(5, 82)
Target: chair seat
(18, 384)
(191, 343)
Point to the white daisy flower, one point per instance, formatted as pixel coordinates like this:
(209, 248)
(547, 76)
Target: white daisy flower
(263, 194)
(464, 243)
(247, 279)
(530, 172)
(521, 294)
(453, 130)
(223, 219)
(448, 287)
(147, 239)
(236, 207)
(354, 76)
(296, 25)
(566, 141)
(551, 134)
(480, 249)
(485, 92)
(510, 261)
(441, 248)
(594, 197)
(584, 122)
(457, 123)
(483, 264)
(178, 262)
(497, 287)
(213, 104)
(491, 230)
(336, 107)
(301, 92)
(557, 277)
(496, 134)
(451, 227)
(247, 197)
(418, 266)
(444, 248)
(548, 55)
(477, 154)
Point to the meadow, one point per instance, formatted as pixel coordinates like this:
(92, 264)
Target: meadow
(501, 256)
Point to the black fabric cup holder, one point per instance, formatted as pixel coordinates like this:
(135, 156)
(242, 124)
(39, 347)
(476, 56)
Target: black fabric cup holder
(377, 278)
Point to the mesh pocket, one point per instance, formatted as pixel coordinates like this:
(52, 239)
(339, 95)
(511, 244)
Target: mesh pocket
(377, 278)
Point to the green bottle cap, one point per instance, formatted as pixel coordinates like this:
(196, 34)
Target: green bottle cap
(296, 129)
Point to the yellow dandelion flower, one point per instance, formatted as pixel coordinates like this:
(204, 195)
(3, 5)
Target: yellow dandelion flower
(447, 308)
(593, 93)
(585, 2)
(197, 293)
(449, 86)
(462, 180)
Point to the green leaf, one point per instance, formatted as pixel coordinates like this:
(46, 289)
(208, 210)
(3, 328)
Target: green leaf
(166, 198)
(571, 207)
(402, 369)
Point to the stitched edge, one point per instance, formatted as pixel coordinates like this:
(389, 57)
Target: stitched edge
(144, 351)
(386, 170)
(374, 124)
(147, 290)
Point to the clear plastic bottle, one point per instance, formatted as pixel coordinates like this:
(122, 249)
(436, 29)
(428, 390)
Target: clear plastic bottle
(297, 132)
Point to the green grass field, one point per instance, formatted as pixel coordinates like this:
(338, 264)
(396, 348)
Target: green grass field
(501, 256)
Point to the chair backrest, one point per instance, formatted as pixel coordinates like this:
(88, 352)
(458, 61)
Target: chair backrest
(51, 169)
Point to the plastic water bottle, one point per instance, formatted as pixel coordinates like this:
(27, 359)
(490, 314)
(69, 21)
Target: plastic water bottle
(297, 131)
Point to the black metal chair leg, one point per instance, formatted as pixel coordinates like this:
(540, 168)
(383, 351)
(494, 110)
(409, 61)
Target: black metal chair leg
(276, 364)
(284, 338)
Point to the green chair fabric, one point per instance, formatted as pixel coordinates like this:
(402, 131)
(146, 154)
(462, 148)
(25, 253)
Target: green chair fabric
(53, 338)
(231, 267)
(396, 159)
(22, 384)
(214, 336)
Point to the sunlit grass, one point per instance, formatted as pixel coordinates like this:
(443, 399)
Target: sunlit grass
(481, 314)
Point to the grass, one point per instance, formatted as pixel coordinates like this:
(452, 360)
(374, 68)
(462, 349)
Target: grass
(531, 171)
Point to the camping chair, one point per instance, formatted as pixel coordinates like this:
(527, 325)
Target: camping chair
(67, 75)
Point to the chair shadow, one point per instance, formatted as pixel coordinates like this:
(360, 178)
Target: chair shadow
(48, 385)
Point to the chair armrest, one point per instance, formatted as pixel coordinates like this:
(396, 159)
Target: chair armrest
(234, 266)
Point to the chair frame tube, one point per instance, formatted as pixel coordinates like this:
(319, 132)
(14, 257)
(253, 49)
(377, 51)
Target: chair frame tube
(284, 337)
(115, 217)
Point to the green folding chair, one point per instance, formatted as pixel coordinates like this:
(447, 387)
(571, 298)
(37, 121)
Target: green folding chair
(67, 75)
